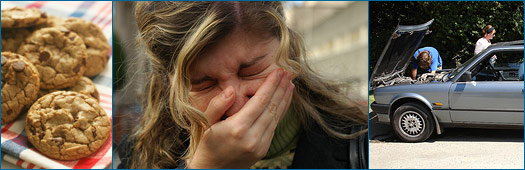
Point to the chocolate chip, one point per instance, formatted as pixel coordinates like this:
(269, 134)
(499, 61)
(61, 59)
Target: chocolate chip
(94, 131)
(43, 15)
(95, 95)
(4, 60)
(56, 107)
(87, 46)
(72, 38)
(77, 68)
(9, 112)
(41, 134)
(19, 66)
(84, 61)
(44, 56)
(32, 130)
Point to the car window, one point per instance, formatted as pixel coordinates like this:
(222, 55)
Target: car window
(501, 66)
(462, 66)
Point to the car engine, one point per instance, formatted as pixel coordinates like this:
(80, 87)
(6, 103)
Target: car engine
(423, 78)
(429, 77)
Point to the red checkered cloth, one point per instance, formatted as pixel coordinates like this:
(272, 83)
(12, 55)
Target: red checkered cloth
(15, 147)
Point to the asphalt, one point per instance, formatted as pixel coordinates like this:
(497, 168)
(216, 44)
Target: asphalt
(462, 148)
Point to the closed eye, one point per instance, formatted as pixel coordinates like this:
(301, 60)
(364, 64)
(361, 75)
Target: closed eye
(251, 68)
(202, 83)
(248, 74)
(203, 86)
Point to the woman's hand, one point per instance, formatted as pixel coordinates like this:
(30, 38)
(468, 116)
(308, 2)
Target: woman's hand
(243, 138)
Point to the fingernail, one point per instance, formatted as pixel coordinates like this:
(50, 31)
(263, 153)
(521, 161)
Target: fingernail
(279, 73)
(227, 93)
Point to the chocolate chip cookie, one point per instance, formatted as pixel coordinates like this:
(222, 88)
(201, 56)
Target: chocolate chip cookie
(20, 84)
(67, 125)
(58, 54)
(84, 85)
(96, 44)
(19, 17)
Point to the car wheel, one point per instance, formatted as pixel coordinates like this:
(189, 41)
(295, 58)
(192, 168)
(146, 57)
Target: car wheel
(413, 122)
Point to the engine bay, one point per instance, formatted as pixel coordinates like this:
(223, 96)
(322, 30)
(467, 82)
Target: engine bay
(421, 79)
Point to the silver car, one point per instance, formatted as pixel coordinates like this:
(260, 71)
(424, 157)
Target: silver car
(477, 94)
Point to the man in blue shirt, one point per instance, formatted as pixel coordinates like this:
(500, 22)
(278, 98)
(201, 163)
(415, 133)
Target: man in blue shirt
(428, 59)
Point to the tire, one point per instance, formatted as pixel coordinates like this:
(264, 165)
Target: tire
(413, 122)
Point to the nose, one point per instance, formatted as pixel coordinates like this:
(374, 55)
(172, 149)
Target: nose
(244, 90)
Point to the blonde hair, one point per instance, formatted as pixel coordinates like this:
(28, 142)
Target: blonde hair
(174, 34)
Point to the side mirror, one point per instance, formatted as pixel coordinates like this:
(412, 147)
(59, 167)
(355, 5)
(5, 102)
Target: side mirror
(467, 76)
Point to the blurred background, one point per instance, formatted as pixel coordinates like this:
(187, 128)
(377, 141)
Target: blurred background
(335, 36)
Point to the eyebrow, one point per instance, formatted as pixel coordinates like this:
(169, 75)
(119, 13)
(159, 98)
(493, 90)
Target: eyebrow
(243, 65)
(250, 63)
(202, 79)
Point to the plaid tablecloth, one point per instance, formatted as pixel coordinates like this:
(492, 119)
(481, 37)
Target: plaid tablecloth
(15, 147)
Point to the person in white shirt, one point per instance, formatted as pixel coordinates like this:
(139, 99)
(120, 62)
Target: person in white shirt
(488, 33)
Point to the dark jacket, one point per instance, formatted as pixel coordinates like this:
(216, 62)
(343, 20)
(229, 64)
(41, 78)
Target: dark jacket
(315, 150)
(318, 150)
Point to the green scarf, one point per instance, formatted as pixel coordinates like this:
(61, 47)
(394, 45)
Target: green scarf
(284, 141)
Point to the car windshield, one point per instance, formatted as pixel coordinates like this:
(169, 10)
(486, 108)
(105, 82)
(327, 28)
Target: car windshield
(461, 67)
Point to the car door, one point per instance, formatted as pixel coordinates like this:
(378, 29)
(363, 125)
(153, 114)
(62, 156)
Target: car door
(485, 100)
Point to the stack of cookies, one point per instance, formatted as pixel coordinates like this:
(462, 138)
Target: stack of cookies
(45, 65)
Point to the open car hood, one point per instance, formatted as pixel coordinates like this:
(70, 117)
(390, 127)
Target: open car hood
(396, 56)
